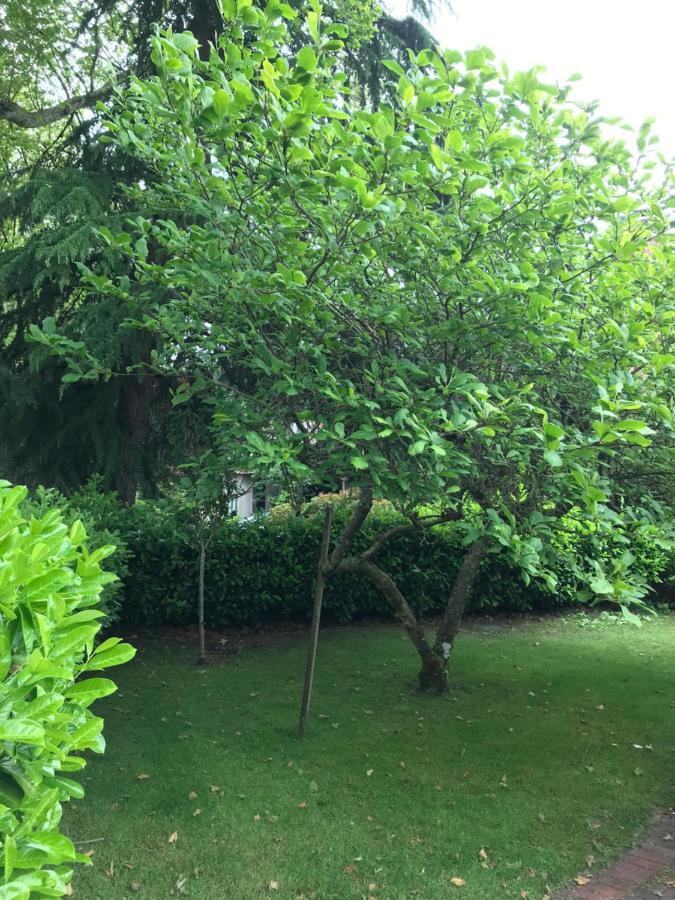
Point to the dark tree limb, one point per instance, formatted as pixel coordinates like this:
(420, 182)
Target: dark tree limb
(458, 599)
(37, 118)
(352, 528)
(449, 516)
(356, 565)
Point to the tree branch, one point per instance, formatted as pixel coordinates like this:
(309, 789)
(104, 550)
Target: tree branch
(354, 565)
(363, 507)
(451, 515)
(38, 118)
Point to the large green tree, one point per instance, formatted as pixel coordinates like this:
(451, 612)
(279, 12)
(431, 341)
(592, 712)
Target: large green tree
(457, 301)
(58, 182)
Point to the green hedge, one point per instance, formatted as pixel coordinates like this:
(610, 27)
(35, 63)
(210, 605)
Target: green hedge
(261, 571)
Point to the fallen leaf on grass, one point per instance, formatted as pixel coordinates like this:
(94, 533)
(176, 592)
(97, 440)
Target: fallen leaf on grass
(215, 789)
(302, 805)
(369, 772)
(197, 812)
(582, 879)
(173, 837)
(256, 818)
(638, 771)
(142, 777)
(273, 885)
(193, 795)
(482, 853)
(457, 882)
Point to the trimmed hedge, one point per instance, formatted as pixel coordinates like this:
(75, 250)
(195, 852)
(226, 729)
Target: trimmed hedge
(262, 571)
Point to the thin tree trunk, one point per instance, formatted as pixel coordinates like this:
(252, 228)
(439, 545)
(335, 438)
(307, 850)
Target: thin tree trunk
(200, 604)
(319, 586)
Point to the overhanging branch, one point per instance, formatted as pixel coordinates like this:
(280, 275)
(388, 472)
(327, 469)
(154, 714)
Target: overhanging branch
(38, 118)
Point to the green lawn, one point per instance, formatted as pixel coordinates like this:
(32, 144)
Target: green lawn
(526, 775)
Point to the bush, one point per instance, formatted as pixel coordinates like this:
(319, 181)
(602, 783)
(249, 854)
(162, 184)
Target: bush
(261, 571)
(104, 521)
(50, 584)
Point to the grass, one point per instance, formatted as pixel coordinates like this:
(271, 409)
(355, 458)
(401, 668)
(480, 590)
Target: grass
(525, 776)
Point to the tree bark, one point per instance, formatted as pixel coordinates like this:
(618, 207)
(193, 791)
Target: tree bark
(133, 416)
(458, 599)
(433, 676)
(319, 585)
(200, 604)
(38, 118)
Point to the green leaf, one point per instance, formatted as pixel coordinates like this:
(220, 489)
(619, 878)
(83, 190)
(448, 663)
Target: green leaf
(110, 653)
(601, 586)
(359, 462)
(89, 689)
(186, 42)
(221, 102)
(11, 792)
(21, 731)
(306, 59)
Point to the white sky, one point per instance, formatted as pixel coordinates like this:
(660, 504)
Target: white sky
(625, 49)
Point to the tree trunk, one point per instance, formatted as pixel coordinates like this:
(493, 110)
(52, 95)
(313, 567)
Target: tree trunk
(433, 676)
(319, 585)
(458, 599)
(200, 605)
(133, 416)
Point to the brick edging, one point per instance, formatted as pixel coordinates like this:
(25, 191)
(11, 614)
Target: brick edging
(655, 855)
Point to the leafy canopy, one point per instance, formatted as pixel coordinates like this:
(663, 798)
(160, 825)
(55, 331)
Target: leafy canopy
(456, 300)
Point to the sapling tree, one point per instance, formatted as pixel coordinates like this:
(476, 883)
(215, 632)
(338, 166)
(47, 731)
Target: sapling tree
(445, 301)
(207, 491)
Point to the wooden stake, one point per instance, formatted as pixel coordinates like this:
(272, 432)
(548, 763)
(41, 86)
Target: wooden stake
(319, 585)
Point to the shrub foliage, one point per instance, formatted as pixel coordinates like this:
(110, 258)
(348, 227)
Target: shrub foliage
(50, 585)
(261, 571)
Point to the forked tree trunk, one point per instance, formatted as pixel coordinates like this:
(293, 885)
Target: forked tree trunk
(433, 675)
(458, 599)
(385, 583)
